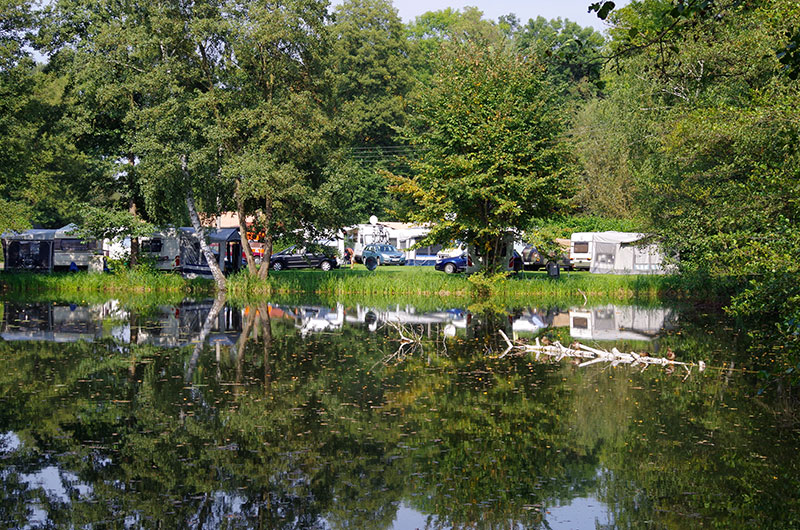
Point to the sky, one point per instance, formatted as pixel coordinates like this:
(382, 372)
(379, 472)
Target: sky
(575, 10)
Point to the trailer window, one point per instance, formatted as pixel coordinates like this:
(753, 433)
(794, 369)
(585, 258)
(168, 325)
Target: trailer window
(152, 245)
(74, 245)
(581, 247)
(431, 250)
(580, 323)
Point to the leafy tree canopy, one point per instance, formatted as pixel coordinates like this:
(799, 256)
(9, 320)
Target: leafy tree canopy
(487, 131)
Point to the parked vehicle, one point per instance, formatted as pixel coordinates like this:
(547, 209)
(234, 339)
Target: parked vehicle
(453, 264)
(47, 250)
(614, 252)
(385, 254)
(463, 262)
(533, 261)
(297, 257)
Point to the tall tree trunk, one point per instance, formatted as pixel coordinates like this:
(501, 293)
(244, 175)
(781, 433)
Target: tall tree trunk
(264, 272)
(211, 318)
(250, 320)
(266, 337)
(199, 232)
(132, 209)
(248, 252)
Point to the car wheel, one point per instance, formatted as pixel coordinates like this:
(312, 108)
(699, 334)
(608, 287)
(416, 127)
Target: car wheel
(325, 265)
(277, 266)
(450, 268)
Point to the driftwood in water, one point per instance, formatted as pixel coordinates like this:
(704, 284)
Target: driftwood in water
(576, 350)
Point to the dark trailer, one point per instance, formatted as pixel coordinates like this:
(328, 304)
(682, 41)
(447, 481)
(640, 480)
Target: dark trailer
(31, 250)
(225, 243)
(48, 249)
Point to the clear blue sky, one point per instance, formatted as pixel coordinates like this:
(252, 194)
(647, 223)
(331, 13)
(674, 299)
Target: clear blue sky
(575, 10)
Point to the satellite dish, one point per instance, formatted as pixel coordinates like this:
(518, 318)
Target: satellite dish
(372, 220)
(371, 263)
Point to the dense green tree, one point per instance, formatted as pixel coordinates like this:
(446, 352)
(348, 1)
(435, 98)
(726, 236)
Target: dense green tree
(487, 129)
(270, 116)
(433, 29)
(212, 106)
(572, 53)
(83, 39)
(371, 72)
(701, 116)
(44, 175)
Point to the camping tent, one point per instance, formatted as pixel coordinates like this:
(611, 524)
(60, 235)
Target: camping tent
(225, 244)
(625, 253)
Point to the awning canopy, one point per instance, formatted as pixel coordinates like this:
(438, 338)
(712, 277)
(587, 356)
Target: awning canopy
(215, 235)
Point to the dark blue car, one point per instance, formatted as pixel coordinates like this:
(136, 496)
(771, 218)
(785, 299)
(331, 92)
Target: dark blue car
(453, 264)
(460, 263)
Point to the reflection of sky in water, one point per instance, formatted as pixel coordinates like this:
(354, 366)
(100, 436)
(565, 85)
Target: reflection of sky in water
(48, 479)
(409, 519)
(577, 514)
(583, 512)
(9, 442)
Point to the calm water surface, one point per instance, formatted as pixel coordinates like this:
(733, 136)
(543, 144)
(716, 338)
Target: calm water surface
(204, 415)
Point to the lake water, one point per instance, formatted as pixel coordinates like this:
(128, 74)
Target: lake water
(316, 416)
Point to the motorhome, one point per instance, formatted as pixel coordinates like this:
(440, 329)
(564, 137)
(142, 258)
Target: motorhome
(163, 248)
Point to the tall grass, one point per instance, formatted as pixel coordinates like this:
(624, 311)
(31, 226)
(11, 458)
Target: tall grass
(422, 281)
(425, 282)
(121, 282)
(384, 286)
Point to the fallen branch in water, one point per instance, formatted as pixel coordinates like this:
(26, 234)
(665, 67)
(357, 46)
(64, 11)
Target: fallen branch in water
(576, 350)
(408, 344)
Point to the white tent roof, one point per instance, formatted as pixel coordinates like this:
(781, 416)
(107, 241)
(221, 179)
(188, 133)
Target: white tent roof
(617, 237)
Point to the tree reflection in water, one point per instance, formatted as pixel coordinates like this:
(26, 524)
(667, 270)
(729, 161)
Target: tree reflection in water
(271, 427)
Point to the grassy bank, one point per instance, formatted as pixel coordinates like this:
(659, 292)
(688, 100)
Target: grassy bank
(387, 285)
(134, 282)
(428, 282)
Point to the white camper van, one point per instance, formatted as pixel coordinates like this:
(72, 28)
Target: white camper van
(163, 248)
(581, 247)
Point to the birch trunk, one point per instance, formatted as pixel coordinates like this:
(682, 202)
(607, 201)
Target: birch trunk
(132, 210)
(266, 337)
(211, 318)
(200, 233)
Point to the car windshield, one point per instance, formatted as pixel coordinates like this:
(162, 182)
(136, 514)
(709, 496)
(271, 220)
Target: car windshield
(386, 248)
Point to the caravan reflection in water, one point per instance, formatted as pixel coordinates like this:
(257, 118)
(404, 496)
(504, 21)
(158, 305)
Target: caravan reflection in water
(180, 325)
(169, 327)
(620, 323)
